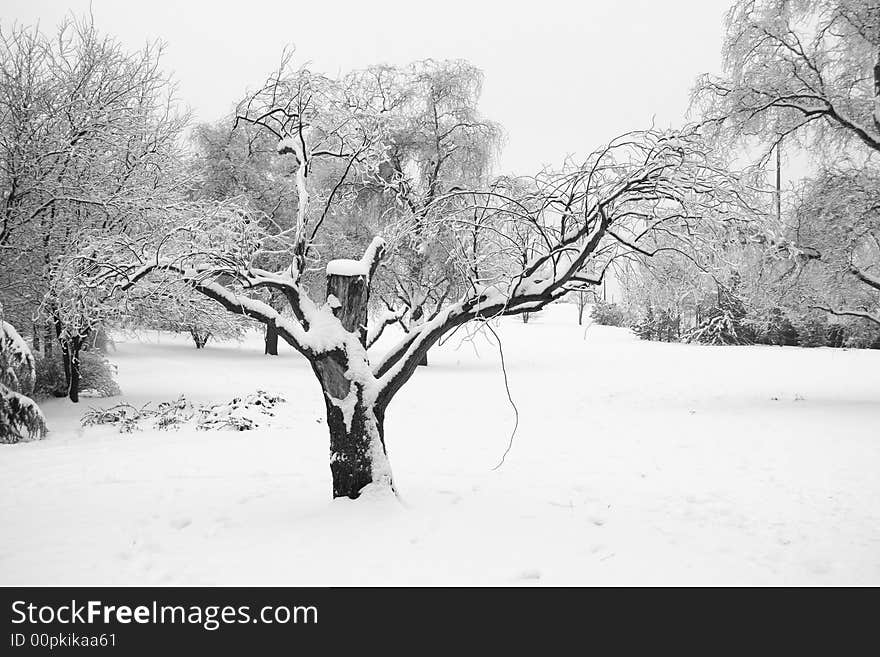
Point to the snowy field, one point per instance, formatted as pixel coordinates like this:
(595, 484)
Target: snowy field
(634, 463)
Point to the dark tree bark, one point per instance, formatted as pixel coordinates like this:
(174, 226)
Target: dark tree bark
(581, 304)
(417, 314)
(353, 457)
(70, 349)
(200, 339)
(271, 339)
(357, 439)
(48, 340)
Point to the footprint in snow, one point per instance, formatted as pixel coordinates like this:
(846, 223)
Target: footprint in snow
(530, 575)
(181, 523)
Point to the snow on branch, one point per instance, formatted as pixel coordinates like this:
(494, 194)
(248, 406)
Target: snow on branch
(554, 230)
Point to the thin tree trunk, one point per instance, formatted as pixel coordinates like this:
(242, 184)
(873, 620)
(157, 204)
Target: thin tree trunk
(200, 339)
(779, 181)
(271, 339)
(70, 355)
(73, 390)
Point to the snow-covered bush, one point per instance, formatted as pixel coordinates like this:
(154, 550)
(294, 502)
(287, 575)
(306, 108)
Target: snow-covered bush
(721, 328)
(813, 331)
(663, 325)
(20, 417)
(608, 313)
(241, 414)
(49, 377)
(97, 376)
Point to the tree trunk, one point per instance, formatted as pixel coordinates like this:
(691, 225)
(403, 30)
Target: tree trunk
(525, 318)
(271, 339)
(48, 340)
(357, 448)
(70, 357)
(417, 313)
(357, 441)
(201, 339)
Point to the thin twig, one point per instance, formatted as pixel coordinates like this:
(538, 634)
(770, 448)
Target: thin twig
(509, 397)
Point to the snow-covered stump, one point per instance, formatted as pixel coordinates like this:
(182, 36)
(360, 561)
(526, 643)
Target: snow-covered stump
(357, 441)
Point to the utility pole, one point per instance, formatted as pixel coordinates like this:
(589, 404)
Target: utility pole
(779, 180)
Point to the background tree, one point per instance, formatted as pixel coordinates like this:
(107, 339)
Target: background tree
(88, 144)
(837, 221)
(437, 141)
(172, 305)
(809, 72)
(239, 162)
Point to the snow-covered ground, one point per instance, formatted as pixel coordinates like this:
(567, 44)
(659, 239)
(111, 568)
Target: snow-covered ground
(634, 463)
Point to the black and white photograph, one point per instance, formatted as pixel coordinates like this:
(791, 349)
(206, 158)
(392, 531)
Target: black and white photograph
(451, 294)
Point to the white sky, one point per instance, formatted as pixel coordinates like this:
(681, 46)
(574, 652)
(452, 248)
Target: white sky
(561, 77)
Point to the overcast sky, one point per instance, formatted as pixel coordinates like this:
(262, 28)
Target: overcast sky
(561, 77)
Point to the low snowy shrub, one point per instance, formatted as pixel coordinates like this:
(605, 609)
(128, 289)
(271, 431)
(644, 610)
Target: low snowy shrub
(721, 329)
(241, 414)
(664, 325)
(49, 377)
(608, 313)
(813, 332)
(97, 376)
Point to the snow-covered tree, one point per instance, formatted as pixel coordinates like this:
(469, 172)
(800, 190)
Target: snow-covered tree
(808, 72)
(88, 145)
(234, 162)
(173, 306)
(20, 417)
(437, 141)
(837, 227)
(632, 196)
